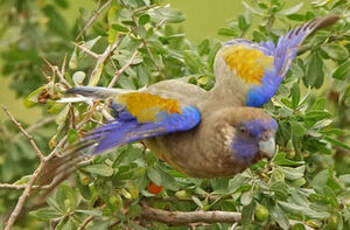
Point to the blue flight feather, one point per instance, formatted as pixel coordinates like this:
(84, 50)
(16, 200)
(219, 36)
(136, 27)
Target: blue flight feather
(126, 128)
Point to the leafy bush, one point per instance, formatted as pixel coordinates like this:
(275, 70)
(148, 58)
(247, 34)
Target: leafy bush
(134, 43)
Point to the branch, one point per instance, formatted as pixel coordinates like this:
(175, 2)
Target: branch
(97, 71)
(131, 60)
(27, 135)
(186, 218)
(60, 74)
(86, 50)
(125, 67)
(183, 218)
(35, 126)
(85, 222)
(93, 18)
(23, 197)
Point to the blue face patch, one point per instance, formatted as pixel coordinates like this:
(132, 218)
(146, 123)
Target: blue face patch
(245, 147)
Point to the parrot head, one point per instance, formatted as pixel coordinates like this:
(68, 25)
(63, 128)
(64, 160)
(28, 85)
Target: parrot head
(249, 133)
(254, 139)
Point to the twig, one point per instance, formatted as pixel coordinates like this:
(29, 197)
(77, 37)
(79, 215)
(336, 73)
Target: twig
(85, 222)
(21, 187)
(35, 126)
(183, 218)
(86, 50)
(60, 74)
(25, 133)
(207, 217)
(63, 67)
(93, 18)
(23, 197)
(96, 72)
(125, 67)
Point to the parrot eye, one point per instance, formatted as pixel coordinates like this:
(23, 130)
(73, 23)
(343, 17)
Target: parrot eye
(243, 130)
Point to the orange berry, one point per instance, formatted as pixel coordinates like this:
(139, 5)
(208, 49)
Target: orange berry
(154, 189)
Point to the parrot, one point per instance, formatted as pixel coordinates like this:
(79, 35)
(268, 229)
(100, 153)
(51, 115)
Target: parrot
(203, 134)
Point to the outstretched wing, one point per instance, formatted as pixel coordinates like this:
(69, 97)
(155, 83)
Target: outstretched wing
(139, 115)
(262, 66)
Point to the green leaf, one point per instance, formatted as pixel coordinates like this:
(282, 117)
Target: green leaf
(342, 71)
(45, 214)
(66, 198)
(320, 179)
(345, 179)
(193, 61)
(298, 129)
(314, 71)
(296, 17)
(154, 175)
(143, 19)
(120, 28)
(72, 135)
(280, 159)
(293, 173)
(252, 9)
(279, 216)
(280, 189)
(197, 201)
(170, 14)
(338, 143)
(306, 211)
(248, 212)
(295, 92)
(228, 32)
(242, 23)
(247, 197)
(99, 169)
(292, 10)
(335, 51)
(317, 115)
(32, 98)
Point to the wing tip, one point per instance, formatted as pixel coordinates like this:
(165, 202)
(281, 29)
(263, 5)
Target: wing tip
(327, 21)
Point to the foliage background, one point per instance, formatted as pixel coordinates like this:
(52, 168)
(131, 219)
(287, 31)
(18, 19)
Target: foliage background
(306, 182)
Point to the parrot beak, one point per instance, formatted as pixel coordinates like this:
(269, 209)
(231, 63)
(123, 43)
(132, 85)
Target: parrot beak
(267, 147)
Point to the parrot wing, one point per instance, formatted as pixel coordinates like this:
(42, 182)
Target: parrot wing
(138, 115)
(262, 66)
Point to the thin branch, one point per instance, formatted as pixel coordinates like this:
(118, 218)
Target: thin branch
(21, 187)
(25, 133)
(21, 201)
(206, 217)
(96, 72)
(184, 218)
(86, 50)
(63, 68)
(93, 18)
(35, 126)
(60, 74)
(117, 73)
(85, 222)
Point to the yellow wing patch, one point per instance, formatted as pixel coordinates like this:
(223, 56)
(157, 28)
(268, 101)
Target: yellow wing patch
(250, 64)
(145, 106)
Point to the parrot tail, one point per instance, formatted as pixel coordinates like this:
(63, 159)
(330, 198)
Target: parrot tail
(287, 45)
